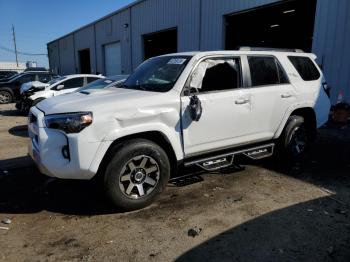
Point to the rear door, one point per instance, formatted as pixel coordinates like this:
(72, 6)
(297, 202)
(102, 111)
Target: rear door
(271, 95)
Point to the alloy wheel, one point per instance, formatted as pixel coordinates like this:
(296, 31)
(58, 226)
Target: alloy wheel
(5, 97)
(298, 141)
(139, 177)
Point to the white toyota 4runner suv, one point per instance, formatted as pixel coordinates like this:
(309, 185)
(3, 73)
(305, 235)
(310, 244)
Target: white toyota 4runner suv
(179, 110)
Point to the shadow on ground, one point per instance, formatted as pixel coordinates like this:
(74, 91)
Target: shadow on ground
(21, 131)
(318, 231)
(11, 112)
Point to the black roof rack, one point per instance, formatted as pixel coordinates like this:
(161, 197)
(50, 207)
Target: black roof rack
(248, 48)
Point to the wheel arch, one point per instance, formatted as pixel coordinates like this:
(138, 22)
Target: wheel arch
(156, 137)
(309, 115)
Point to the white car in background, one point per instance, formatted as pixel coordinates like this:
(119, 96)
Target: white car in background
(58, 86)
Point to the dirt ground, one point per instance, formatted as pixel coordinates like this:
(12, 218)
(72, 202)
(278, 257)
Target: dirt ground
(264, 212)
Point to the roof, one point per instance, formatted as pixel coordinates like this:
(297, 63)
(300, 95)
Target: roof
(136, 2)
(84, 75)
(224, 52)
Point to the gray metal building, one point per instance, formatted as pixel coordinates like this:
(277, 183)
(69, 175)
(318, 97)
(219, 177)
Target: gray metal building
(120, 41)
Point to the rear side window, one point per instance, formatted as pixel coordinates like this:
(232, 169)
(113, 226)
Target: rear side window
(74, 83)
(266, 71)
(305, 67)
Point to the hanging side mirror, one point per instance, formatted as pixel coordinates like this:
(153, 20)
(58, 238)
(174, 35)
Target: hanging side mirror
(195, 105)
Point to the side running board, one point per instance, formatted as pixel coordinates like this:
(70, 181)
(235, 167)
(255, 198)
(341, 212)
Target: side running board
(224, 160)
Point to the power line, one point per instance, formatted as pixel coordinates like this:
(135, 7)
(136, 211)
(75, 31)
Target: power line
(19, 52)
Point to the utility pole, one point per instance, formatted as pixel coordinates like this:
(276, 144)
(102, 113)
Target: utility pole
(14, 42)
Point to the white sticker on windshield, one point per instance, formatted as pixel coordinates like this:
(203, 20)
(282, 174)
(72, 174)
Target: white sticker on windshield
(176, 61)
(108, 81)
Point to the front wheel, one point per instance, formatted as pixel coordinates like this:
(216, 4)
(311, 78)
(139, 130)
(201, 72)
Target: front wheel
(137, 174)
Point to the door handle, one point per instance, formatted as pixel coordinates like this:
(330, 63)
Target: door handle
(242, 101)
(286, 95)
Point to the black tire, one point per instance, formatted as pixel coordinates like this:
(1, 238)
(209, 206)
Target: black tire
(295, 139)
(6, 97)
(116, 183)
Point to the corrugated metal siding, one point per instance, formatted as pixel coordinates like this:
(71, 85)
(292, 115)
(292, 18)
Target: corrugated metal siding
(112, 30)
(54, 57)
(156, 15)
(331, 44)
(200, 25)
(67, 61)
(83, 39)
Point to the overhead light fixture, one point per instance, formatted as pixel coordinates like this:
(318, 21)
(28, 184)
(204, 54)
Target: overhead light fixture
(289, 11)
(276, 25)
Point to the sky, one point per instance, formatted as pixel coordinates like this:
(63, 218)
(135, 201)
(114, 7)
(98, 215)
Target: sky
(38, 22)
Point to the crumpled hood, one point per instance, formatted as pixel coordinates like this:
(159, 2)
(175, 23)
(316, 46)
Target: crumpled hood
(26, 86)
(96, 101)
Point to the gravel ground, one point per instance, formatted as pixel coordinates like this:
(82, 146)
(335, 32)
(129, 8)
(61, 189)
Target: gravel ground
(264, 212)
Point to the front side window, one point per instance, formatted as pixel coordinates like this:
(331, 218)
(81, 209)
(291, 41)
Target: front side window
(220, 74)
(73, 83)
(266, 71)
(305, 67)
(157, 74)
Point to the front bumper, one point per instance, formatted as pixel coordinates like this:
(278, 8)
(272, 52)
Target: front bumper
(45, 148)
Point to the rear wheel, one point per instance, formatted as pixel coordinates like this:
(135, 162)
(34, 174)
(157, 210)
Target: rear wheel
(5, 97)
(137, 174)
(295, 139)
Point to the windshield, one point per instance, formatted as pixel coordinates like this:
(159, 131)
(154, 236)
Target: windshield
(157, 74)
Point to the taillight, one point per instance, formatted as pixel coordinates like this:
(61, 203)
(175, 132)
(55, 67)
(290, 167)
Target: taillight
(327, 89)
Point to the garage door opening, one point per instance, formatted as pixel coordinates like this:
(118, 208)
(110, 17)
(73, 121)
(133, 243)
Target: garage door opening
(289, 24)
(84, 61)
(113, 65)
(160, 43)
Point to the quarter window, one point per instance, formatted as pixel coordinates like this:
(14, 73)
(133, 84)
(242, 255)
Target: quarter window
(221, 74)
(266, 71)
(305, 67)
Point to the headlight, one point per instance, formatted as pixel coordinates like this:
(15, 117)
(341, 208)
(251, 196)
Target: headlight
(69, 123)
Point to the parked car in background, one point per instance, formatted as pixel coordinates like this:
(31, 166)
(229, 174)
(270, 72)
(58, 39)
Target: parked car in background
(7, 74)
(37, 85)
(188, 109)
(58, 86)
(112, 81)
(10, 89)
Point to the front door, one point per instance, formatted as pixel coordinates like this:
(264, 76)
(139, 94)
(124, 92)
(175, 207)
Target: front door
(225, 120)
